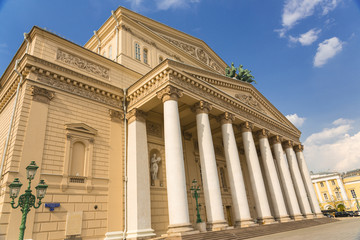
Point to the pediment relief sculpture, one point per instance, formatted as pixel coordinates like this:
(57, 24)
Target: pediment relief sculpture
(250, 101)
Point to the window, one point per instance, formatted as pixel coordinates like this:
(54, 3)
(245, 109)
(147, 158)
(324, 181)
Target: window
(321, 184)
(333, 182)
(326, 197)
(223, 179)
(137, 51)
(161, 59)
(110, 52)
(353, 193)
(77, 159)
(337, 194)
(145, 55)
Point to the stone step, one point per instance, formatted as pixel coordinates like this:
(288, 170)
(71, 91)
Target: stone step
(251, 232)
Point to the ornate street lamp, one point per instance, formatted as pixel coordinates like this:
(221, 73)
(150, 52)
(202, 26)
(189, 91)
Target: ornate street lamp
(27, 200)
(195, 193)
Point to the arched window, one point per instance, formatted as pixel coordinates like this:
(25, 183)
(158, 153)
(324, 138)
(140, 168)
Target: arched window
(145, 55)
(77, 159)
(137, 51)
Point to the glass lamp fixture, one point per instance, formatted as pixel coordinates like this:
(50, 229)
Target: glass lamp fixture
(41, 189)
(15, 188)
(31, 170)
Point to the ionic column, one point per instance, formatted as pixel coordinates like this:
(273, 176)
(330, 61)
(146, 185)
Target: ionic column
(272, 178)
(307, 181)
(285, 178)
(174, 159)
(237, 185)
(297, 179)
(138, 198)
(256, 178)
(212, 194)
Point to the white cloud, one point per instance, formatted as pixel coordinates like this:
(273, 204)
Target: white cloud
(333, 148)
(326, 50)
(296, 10)
(295, 119)
(307, 38)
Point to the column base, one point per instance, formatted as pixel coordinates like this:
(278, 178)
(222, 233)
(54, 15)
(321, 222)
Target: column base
(284, 219)
(245, 223)
(266, 220)
(309, 216)
(114, 235)
(180, 229)
(297, 217)
(140, 234)
(319, 215)
(217, 226)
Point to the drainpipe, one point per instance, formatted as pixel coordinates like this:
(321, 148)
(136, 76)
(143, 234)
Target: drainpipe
(99, 44)
(117, 35)
(14, 108)
(125, 165)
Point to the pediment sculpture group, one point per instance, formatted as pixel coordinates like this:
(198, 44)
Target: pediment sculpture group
(243, 75)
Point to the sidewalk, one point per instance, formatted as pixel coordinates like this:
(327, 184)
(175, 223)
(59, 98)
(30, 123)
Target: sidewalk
(346, 229)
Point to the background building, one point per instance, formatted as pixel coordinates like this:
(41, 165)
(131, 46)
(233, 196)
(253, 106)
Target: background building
(338, 190)
(121, 127)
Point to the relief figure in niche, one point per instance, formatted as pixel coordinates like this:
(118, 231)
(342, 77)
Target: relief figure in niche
(155, 160)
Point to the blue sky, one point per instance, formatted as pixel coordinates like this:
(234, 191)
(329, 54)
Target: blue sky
(304, 54)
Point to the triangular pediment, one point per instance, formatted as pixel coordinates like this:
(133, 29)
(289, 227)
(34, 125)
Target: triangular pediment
(81, 127)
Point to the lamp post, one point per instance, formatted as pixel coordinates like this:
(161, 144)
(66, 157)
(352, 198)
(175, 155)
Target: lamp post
(27, 200)
(194, 190)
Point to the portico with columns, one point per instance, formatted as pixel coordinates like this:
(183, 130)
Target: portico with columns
(197, 128)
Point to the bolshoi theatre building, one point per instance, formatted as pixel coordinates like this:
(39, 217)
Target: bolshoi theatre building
(121, 126)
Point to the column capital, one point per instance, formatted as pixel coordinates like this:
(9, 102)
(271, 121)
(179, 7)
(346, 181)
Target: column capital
(288, 144)
(169, 93)
(202, 107)
(226, 117)
(246, 127)
(41, 94)
(276, 139)
(135, 114)
(116, 116)
(263, 133)
(299, 148)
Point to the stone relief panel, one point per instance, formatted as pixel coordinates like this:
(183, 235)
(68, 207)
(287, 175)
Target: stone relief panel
(196, 52)
(250, 101)
(154, 129)
(81, 63)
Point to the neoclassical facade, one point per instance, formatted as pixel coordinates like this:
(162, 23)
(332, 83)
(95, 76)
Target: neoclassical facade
(122, 126)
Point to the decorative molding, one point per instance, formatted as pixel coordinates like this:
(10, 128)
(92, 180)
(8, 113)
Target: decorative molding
(135, 114)
(246, 126)
(42, 94)
(250, 101)
(299, 148)
(226, 118)
(80, 89)
(202, 107)
(263, 133)
(82, 63)
(154, 129)
(128, 29)
(169, 93)
(196, 52)
(116, 116)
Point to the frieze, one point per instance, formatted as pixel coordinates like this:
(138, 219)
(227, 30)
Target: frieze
(196, 52)
(250, 101)
(80, 90)
(81, 63)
